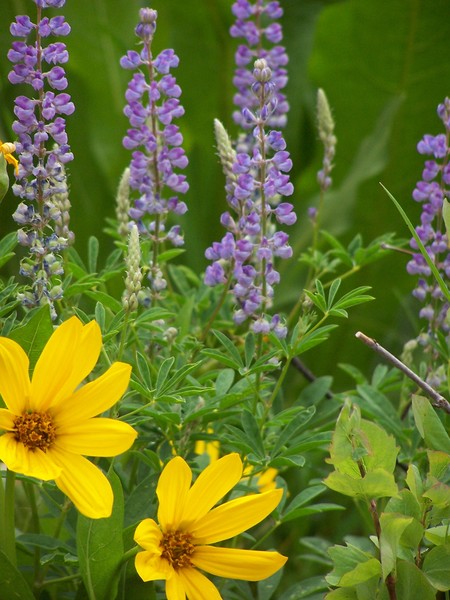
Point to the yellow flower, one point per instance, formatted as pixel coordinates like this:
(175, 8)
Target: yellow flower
(265, 480)
(175, 549)
(7, 149)
(47, 423)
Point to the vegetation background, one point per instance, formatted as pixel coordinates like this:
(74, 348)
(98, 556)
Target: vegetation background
(384, 66)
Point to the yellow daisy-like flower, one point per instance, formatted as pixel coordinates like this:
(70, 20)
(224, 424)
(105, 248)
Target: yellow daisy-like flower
(7, 148)
(179, 545)
(47, 423)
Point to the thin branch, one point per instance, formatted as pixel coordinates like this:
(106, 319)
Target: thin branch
(437, 400)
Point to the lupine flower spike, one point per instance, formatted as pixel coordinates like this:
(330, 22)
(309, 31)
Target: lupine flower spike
(254, 186)
(256, 22)
(180, 543)
(152, 105)
(48, 425)
(433, 192)
(43, 150)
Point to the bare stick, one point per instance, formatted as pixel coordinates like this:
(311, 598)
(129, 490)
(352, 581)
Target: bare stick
(438, 400)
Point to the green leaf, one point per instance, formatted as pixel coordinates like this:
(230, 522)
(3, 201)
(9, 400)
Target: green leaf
(351, 561)
(313, 338)
(436, 567)
(438, 535)
(13, 583)
(7, 245)
(392, 527)
(93, 248)
(229, 346)
(412, 584)
(163, 374)
(253, 433)
(377, 484)
(224, 381)
(34, 334)
(100, 547)
(292, 428)
(104, 299)
(429, 425)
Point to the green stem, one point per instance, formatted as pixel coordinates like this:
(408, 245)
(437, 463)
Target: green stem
(7, 526)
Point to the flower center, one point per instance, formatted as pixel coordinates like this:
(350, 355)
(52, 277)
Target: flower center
(35, 430)
(177, 548)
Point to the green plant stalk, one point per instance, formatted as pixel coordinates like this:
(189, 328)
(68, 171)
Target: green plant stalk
(7, 524)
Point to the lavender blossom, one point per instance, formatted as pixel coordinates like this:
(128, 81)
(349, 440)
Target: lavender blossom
(43, 151)
(152, 105)
(433, 191)
(256, 23)
(244, 258)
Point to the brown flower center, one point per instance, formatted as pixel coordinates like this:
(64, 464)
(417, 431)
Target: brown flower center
(177, 548)
(35, 430)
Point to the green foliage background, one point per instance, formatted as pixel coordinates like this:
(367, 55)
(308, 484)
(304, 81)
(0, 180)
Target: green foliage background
(384, 66)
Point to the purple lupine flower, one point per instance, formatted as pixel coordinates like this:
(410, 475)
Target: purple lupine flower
(432, 192)
(256, 182)
(43, 151)
(254, 24)
(152, 106)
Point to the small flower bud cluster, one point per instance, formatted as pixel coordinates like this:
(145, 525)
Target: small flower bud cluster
(433, 192)
(325, 125)
(133, 279)
(123, 203)
(152, 105)
(255, 184)
(43, 150)
(256, 22)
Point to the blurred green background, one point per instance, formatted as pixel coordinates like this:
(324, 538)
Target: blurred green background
(384, 66)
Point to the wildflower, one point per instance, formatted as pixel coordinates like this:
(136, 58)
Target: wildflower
(180, 544)
(264, 480)
(43, 151)
(6, 149)
(256, 22)
(152, 105)
(255, 183)
(433, 192)
(47, 423)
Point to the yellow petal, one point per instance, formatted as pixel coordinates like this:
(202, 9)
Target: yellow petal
(84, 484)
(175, 589)
(148, 535)
(95, 397)
(210, 486)
(96, 437)
(150, 567)
(172, 490)
(14, 378)
(6, 419)
(19, 459)
(197, 586)
(250, 565)
(266, 479)
(68, 357)
(234, 517)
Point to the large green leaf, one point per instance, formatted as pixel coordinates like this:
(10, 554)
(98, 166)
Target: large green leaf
(100, 547)
(13, 584)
